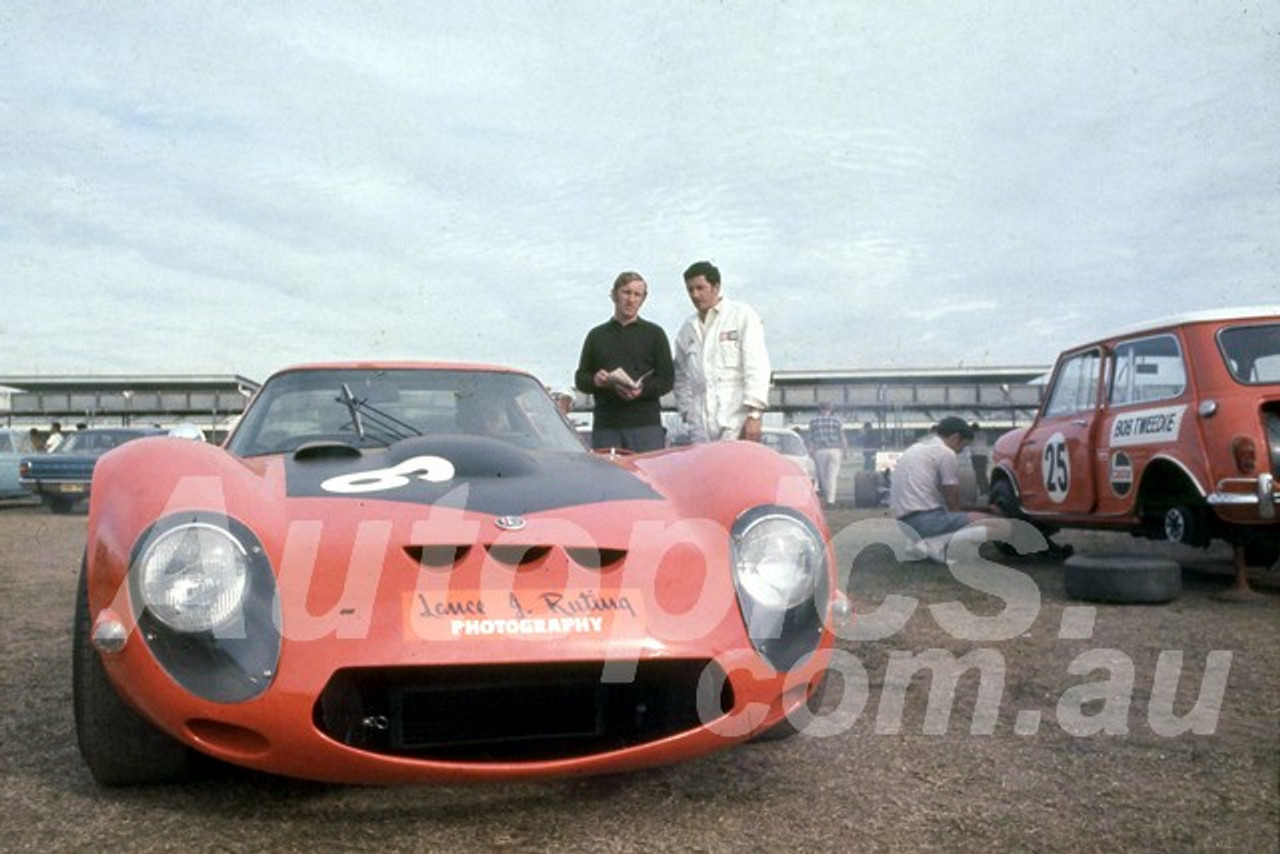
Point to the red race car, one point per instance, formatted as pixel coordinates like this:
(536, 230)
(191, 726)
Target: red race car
(406, 572)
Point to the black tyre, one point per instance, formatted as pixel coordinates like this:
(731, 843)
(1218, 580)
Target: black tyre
(1004, 500)
(1125, 579)
(119, 746)
(784, 729)
(1186, 525)
(866, 489)
(60, 506)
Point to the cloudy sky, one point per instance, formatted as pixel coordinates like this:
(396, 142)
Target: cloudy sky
(230, 187)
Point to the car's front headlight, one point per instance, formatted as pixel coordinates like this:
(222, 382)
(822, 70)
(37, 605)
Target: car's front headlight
(781, 576)
(205, 598)
(194, 577)
(777, 560)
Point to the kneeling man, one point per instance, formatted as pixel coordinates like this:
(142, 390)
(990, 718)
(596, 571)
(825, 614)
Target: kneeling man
(924, 490)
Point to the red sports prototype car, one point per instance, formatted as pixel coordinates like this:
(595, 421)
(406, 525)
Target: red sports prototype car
(407, 572)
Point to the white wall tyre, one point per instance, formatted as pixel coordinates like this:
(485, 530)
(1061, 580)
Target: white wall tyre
(1122, 579)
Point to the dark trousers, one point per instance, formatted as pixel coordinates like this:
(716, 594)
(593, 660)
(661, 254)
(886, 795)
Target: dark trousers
(635, 439)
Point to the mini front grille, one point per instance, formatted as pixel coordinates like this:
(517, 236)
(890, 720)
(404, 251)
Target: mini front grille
(512, 713)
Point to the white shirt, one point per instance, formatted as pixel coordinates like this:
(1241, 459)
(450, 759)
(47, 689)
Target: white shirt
(921, 472)
(722, 370)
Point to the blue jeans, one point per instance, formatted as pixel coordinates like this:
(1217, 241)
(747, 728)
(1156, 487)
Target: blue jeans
(939, 520)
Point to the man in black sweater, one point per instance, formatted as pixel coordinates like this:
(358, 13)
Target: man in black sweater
(626, 365)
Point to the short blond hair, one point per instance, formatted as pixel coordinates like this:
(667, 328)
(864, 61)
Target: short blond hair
(626, 278)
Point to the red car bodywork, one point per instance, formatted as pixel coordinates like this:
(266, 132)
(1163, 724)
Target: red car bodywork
(413, 635)
(1162, 430)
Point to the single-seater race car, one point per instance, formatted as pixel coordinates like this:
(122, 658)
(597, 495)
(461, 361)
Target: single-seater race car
(407, 572)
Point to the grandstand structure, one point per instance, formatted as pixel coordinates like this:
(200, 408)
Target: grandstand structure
(900, 404)
(210, 402)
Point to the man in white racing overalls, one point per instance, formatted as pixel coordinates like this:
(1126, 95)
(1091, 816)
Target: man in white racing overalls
(722, 366)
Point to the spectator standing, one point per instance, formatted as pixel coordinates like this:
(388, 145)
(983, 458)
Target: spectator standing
(628, 415)
(721, 363)
(980, 456)
(924, 492)
(54, 439)
(870, 442)
(828, 445)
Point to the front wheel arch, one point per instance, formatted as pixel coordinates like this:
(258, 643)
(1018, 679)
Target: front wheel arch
(120, 747)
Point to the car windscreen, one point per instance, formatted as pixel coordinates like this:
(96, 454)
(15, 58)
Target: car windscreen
(1252, 353)
(370, 408)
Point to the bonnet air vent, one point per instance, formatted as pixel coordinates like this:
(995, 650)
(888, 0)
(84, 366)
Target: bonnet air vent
(601, 559)
(519, 557)
(326, 451)
(438, 557)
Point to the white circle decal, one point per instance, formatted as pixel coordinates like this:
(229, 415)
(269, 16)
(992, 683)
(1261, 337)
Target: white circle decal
(1055, 468)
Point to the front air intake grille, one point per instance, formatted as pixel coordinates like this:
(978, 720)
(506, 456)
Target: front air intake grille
(507, 713)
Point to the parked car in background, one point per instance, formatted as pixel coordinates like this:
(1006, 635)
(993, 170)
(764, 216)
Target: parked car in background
(790, 444)
(14, 445)
(1170, 431)
(62, 479)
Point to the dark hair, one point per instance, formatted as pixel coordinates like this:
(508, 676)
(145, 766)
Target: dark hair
(705, 269)
(953, 426)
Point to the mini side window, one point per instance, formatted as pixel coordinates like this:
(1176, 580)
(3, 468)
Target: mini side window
(1252, 353)
(1076, 386)
(1148, 369)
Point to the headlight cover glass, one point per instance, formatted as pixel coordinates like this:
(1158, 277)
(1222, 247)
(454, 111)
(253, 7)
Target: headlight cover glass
(194, 577)
(783, 582)
(778, 560)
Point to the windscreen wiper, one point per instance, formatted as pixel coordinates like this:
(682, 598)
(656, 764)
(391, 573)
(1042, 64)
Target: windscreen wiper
(366, 418)
(353, 407)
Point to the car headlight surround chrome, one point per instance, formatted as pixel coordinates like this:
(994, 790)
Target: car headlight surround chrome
(207, 605)
(194, 577)
(782, 578)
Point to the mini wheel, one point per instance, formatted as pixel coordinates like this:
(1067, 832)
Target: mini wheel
(1185, 525)
(1125, 579)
